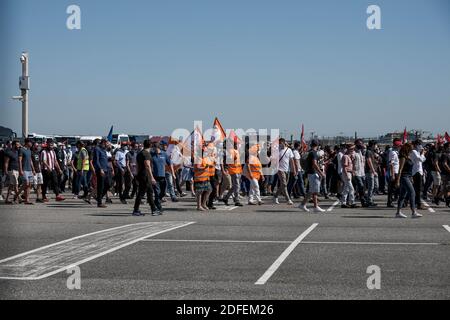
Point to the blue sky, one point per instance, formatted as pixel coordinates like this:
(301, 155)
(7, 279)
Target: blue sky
(152, 66)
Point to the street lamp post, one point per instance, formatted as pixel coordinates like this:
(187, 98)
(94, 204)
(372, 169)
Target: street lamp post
(24, 85)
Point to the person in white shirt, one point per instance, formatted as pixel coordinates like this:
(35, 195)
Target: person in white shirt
(393, 167)
(298, 180)
(359, 172)
(418, 157)
(285, 160)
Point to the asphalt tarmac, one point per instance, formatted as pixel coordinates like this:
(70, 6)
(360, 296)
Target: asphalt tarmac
(254, 252)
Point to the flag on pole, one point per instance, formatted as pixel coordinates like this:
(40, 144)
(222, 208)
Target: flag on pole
(304, 145)
(219, 133)
(110, 134)
(447, 137)
(405, 136)
(233, 137)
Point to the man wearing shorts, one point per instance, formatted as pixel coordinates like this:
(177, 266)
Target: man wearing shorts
(26, 170)
(38, 178)
(11, 166)
(315, 175)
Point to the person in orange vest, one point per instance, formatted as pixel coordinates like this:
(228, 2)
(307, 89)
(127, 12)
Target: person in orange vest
(213, 174)
(234, 167)
(202, 184)
(253, 172)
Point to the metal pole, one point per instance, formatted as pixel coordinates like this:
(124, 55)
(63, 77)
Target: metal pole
(25, 97)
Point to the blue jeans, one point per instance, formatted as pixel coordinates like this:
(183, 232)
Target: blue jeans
(299, 182)
(83, 182)
(170, 186)
(406, 190)
(370, 182)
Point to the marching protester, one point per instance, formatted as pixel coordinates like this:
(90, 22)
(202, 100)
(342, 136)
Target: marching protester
(50, 171)
(348, 192)
(26, 170)
(403, 181)
(254, 173)
(146, 182)
(314, 176)
(101, 166)
(234, 169)
(11, 167)
(418, 158)
(285, 162)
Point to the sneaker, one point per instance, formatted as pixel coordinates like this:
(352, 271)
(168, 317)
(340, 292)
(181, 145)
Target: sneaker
(156, 213)
(175, 200)
(225, 201)
(60, 198)
(183, 195)
(238, 204)
(290, 203)
(400, 215)
(252, 203)
(123, 201)
(212, 208)
(344, 206)
(303, 207)
(137, 213)
(275, 200)
(1, 198)
(416, 215)
(260, 203)
(318, 209)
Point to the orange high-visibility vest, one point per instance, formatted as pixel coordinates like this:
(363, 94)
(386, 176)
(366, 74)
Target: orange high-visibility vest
(211, 166)
(201, 171)
(236, 167)
(255, 167)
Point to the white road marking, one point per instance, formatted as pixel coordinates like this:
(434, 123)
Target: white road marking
(375, 243)
(333, 205)
(446, 227)
(273, 268)
(215, 241)
(429, 208)
(54, 258)
(303, 242)
(225, 208)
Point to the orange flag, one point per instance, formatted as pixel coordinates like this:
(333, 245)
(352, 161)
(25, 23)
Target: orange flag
(219, 132)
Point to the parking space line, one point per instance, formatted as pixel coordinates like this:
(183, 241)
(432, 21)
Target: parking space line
(303, 242)
(215, 241)
(446, 227)
(333, 206)
(428, 207)
(274, 267)
(375, 243)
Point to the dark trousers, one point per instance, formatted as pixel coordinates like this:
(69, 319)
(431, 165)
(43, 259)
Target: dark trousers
(102, 186)
(161, 187)
(417, 178)
(360, 183)
(120, 177)
(145, 187)
(50, 181)
(213, 181)
(391, 190)
(130, 185)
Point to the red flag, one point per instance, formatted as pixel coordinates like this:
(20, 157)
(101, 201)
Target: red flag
(233, 137)
(447, 137)
(304, 145)
(219, 133)
(405, 136)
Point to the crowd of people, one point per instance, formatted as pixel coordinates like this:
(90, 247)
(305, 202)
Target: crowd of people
(406, 173)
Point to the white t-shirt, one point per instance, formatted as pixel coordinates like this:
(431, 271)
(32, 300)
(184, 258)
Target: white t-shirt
(393, 159)
(297, 158)
(285, 156)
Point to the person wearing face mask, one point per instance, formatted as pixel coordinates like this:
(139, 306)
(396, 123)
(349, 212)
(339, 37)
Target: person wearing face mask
(418, 158)
(348, 193)
(50, 170)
